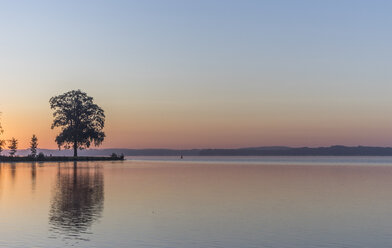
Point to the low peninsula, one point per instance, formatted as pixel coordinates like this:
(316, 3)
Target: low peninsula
(113, 157)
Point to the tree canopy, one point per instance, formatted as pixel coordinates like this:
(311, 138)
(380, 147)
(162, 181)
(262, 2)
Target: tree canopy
(34, 145)
(13, 146)
(80, 119)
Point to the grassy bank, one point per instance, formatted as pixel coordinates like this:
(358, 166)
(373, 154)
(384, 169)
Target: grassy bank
(57, 159)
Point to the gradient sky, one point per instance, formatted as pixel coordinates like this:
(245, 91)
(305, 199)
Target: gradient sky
(193, 74)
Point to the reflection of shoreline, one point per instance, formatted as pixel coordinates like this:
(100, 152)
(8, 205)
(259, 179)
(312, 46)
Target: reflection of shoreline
(77, 201)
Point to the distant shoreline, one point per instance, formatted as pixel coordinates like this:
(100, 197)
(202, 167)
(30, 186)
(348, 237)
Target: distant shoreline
(337, 150)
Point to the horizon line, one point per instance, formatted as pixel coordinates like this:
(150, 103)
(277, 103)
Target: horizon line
(243, 147)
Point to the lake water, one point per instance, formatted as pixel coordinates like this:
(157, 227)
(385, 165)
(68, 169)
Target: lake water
(273, 202)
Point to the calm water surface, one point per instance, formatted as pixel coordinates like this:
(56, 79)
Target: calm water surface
(198, 202)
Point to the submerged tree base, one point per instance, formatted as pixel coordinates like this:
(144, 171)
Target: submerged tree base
(58, 158)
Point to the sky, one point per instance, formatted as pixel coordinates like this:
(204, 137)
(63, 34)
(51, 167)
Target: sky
(202, 74)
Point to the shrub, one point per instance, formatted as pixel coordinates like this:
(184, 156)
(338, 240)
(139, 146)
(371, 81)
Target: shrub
(41, 156)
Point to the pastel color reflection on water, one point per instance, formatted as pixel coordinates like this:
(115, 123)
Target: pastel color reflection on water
(259, 202)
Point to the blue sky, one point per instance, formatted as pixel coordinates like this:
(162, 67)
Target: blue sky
(203, 73)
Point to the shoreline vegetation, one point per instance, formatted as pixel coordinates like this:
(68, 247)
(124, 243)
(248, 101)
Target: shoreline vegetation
(113, 157)
(81, 124)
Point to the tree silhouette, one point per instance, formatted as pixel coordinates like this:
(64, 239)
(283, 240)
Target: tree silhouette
(81, 121)
(13, 146)
(2, 142)
(34, 145)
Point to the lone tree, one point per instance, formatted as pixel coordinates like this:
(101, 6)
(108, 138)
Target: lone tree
(34, 145)
(80, 119)
(13, 146)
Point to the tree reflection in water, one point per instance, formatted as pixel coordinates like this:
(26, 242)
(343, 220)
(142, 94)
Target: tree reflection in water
(13, 172)
(33, 176)
(77, 202)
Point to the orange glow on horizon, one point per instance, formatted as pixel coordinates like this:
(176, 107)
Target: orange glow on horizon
(185, 132)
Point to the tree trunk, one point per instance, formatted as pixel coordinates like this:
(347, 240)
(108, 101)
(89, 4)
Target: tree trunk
(75, 147)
